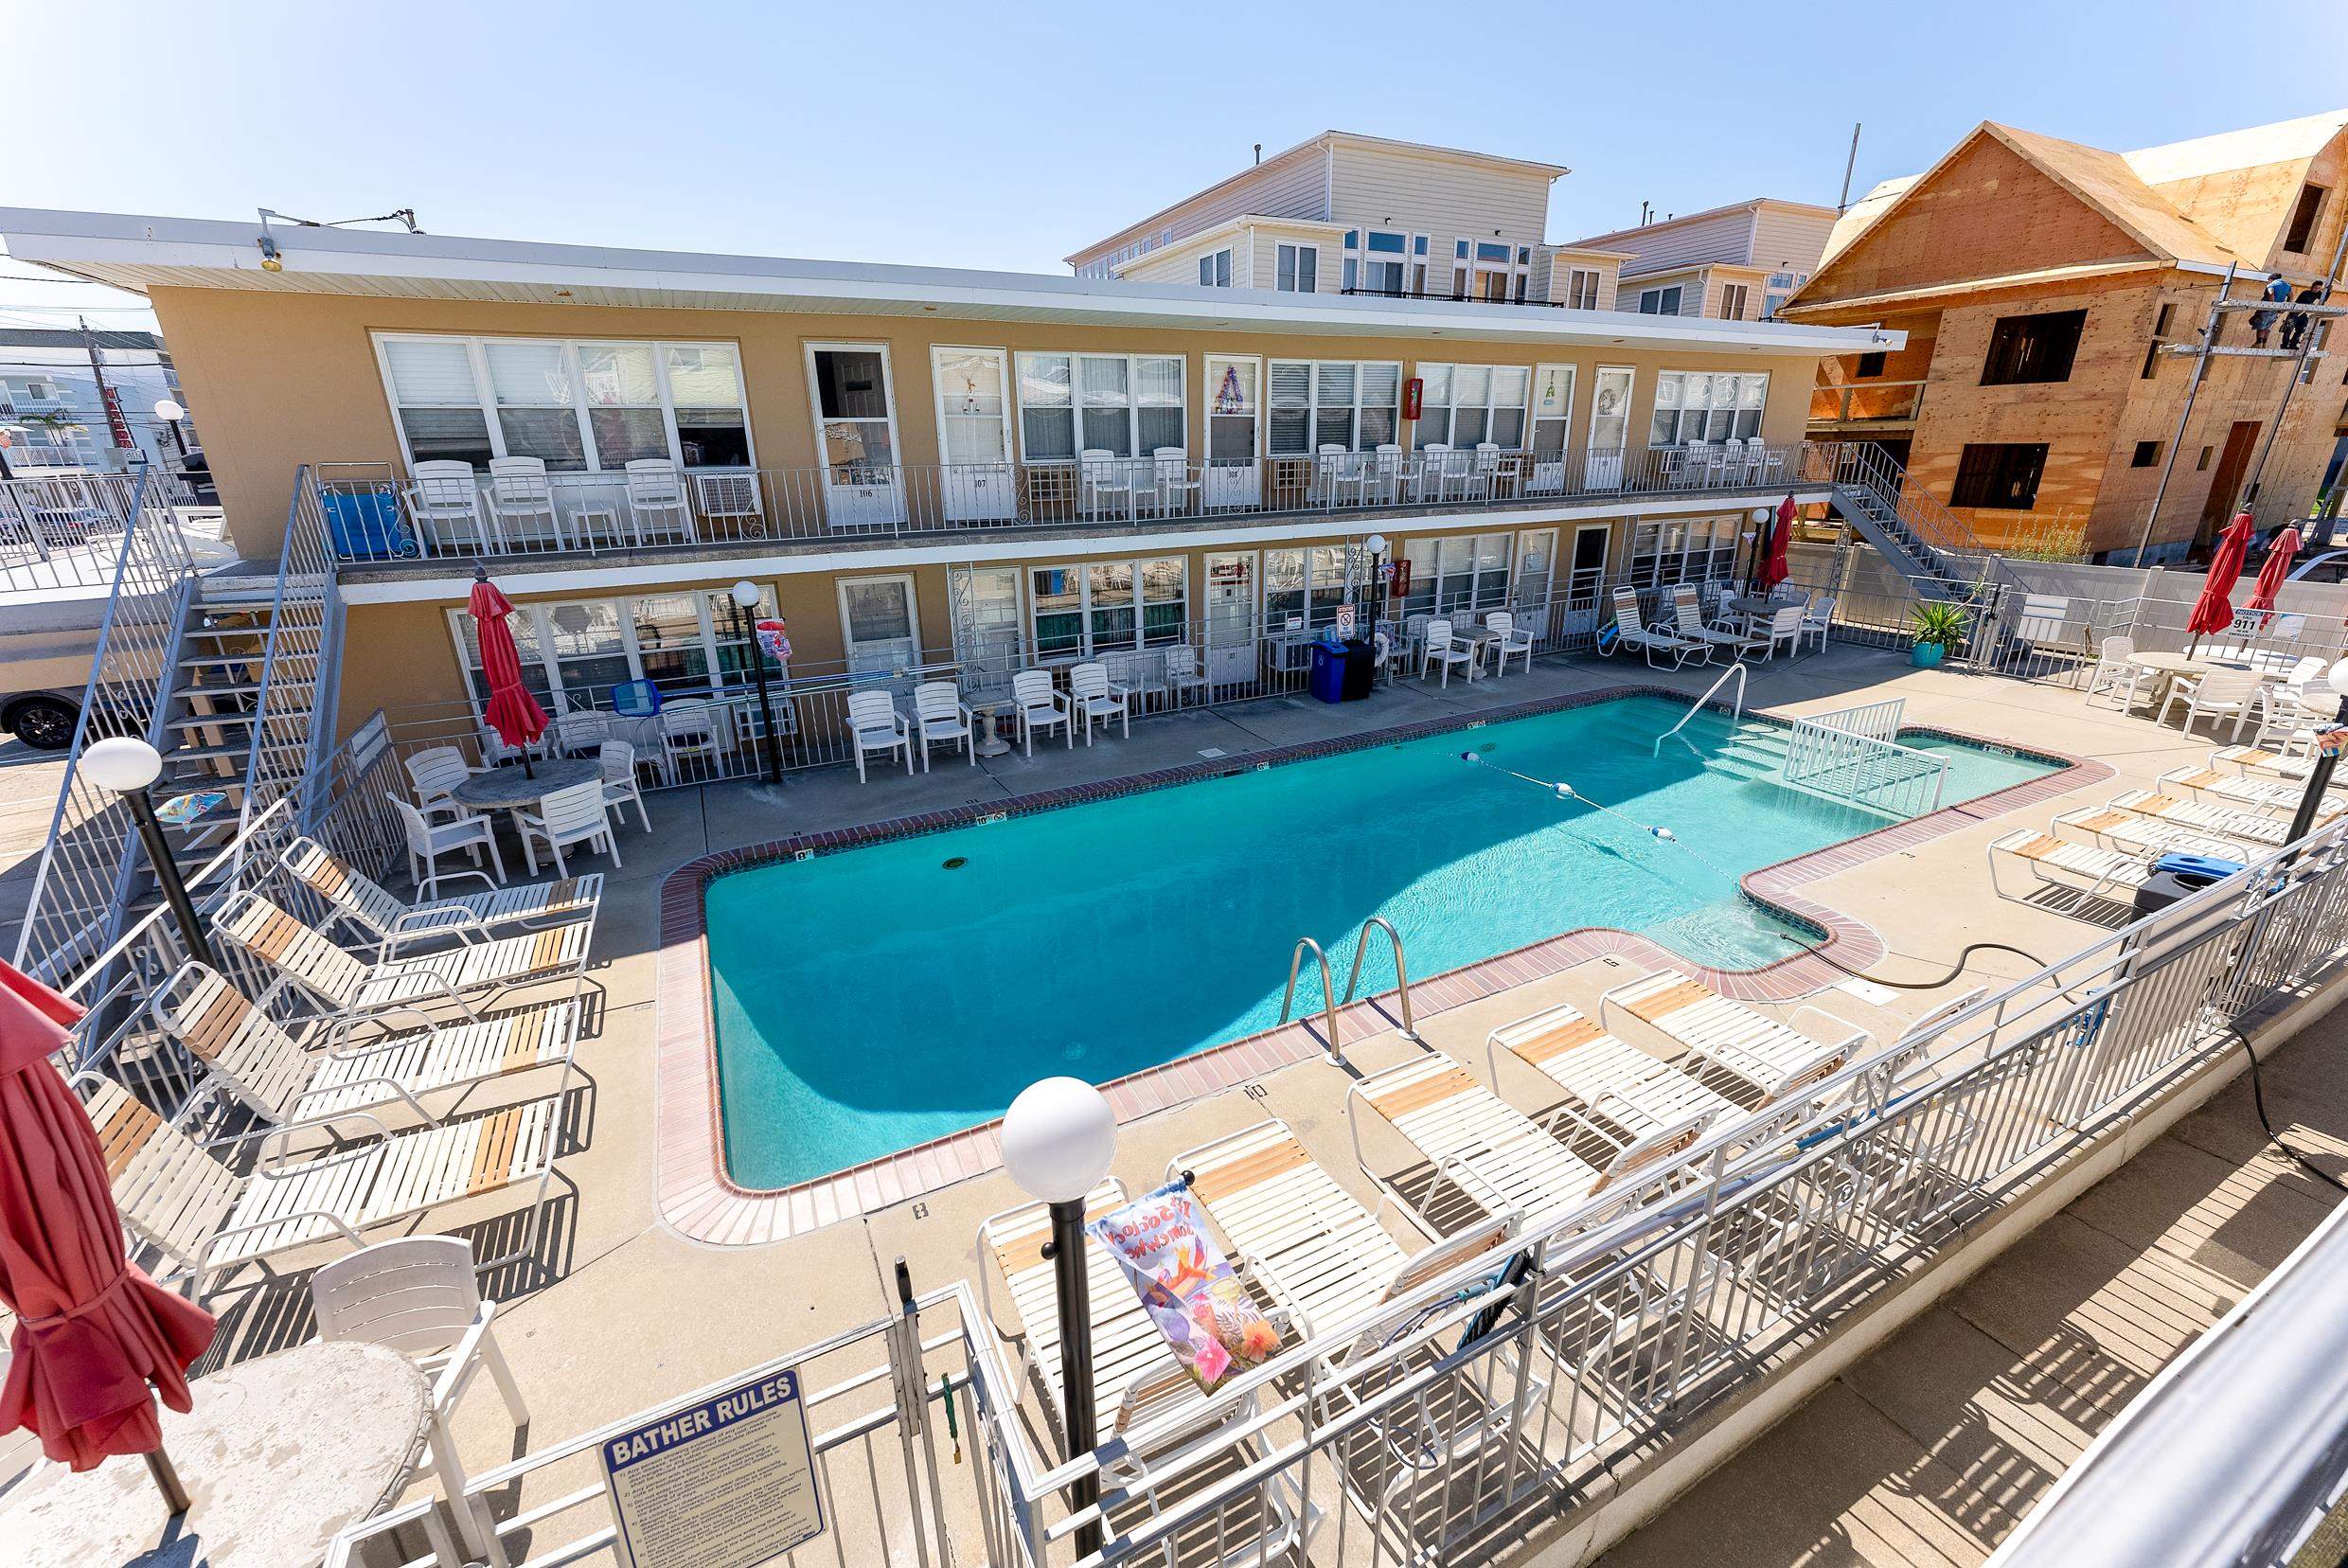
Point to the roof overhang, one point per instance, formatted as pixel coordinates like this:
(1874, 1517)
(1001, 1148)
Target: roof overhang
(2083, 272)
(140, 254)
(1228, 228)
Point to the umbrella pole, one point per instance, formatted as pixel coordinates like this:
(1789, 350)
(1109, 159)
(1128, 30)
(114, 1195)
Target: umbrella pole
(166, 1479)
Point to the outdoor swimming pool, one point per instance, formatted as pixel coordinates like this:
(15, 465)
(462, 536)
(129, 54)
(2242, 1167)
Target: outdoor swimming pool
(872, 999)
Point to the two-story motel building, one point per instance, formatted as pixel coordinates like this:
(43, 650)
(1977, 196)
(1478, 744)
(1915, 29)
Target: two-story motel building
(925, 468)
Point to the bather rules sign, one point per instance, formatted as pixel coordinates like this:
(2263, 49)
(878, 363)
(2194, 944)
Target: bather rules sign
(727, 1482)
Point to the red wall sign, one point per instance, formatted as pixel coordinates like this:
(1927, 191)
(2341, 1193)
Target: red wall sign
(1412, 391)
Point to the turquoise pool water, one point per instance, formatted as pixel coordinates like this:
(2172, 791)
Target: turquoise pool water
(869, 1000)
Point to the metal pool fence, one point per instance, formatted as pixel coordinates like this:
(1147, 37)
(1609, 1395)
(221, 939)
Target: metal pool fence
(1479, 1405)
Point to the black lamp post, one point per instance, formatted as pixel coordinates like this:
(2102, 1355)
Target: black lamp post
(745, 596)
(127, 765)
(1058, 1138)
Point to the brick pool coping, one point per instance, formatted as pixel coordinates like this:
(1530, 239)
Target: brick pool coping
(695, 1195)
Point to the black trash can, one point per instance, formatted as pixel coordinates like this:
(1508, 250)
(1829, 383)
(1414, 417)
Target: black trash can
(1361, 669)
(2176, 877)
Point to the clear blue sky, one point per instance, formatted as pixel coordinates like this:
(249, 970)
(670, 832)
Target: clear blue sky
(1007, 134)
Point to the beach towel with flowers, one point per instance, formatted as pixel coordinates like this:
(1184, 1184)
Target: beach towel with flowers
(1186, 1284)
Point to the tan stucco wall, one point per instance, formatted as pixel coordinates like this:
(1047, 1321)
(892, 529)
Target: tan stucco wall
(288, 379)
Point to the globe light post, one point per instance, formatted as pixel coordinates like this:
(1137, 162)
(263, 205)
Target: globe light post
(127, 765)
(1058, 1138)
(745, 596)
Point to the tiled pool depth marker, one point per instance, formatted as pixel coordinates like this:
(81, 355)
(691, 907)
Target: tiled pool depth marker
(695, 1197)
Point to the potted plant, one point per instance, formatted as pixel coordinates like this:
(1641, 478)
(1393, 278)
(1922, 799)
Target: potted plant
(1939, 626)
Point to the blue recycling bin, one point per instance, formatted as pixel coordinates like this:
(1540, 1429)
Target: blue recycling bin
(1327, 680)
(363, 524)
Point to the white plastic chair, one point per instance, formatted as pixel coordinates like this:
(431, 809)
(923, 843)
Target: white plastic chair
(1105, 484)
(615, 769)
(1093, 696)
(1818, 618)
(938, 710)
(2220, 694)
(427, 841)
(445, 500)
(1041, 705)
(656, 503)
(1483, 477)
(522, 501)
(1385, 475)
(1440, 649)
(875, 725)
(1783, 631)
(1436, 472)
(1182, 673)
(419, 1295)
(581, 730)
(1336, 470)
(433, 773)
(2116, 668)
(1173, 478)
(576, 814)
(1508, 639)
(688, 732)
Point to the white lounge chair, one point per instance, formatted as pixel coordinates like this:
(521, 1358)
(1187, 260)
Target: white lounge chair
(1041, 706)
(421, 1296)
(2124, 832)
(2274, 797)
(340, 981)
(2257, 829)
(1508, 640)
(381, 916)
(2255, 761)
(2051, 863)
(1095, 700)
(1498, 1157)
(875, 725)
(327, 1073)
(1689, 618)
(1774, 1057)
(942, 715)
(1630, 633)
(1615, 1090)
(428, 840)
(1440, 648)
(196, 1211)
(579, 815)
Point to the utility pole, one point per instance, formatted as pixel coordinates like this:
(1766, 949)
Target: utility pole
(1843, 203)
(116, 425)
(2299, 369)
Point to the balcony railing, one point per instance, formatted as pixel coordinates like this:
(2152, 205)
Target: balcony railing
(374, 514)
(1866, 403)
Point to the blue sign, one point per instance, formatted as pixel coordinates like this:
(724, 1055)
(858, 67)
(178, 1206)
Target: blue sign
(726, 1482)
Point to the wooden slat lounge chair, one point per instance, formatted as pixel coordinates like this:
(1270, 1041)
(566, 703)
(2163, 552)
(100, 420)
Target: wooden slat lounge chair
(383, 918)
(1503, 1160)
(2273, 797)
(344, 982)
(2261, 762)
(1774, 1057)
(258, 1059)
(2124, 832)
(1617, 1091)
(2254, 829)
(177, 1198)
(2052, 862)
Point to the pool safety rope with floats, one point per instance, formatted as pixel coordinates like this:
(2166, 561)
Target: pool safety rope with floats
(1566, 791)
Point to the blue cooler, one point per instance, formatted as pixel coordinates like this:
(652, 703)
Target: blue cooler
(363, 524)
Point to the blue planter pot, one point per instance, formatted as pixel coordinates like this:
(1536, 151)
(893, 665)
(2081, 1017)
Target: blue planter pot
(1927, 655)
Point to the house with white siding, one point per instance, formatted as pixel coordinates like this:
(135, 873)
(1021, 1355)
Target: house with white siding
(1343, 213)
(1731, 263)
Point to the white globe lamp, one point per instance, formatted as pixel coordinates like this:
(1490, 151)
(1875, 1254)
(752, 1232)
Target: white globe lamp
(746, 595)
(170, 412)
(1058, 1138)
(121, 763)
(127, 765)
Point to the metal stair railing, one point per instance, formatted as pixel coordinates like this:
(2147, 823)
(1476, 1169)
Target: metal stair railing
(81, 888)
(294, 694)
(1940, 540)
(1736, 707)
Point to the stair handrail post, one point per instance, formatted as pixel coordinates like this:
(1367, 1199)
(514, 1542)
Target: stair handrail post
(1737, 709)
(1402, 971)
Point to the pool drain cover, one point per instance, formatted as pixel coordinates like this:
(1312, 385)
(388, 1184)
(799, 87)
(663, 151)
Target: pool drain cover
(956, 863)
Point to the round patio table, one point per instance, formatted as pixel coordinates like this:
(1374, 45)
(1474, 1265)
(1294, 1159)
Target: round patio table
(278, 1453)
(511, 788)
(2167, 669)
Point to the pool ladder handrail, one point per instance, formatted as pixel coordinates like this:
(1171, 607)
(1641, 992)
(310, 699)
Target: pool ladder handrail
(1329, 1002)
(1736, 711)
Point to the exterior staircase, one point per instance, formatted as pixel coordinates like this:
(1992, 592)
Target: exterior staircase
(1929, 545)
(1751, 751)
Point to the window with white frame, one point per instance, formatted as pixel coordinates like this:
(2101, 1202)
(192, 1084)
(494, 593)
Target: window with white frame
(1681, 549)
(1214, 269)
(1305, 587)
(1581, 288)
(1731, 302)
(577, 404)
(1457, 575)
(1698, 406)
(1380, 260)
(574, 653)
(1125, 404)
(1662, 301)
(1298, 269)
(1464, 404)
(1354, 404)
(1094, 607)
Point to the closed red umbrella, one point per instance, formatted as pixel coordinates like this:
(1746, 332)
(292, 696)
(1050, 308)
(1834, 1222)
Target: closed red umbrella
(2214, 611)
(1773, 563)
(92, 1331)
(512, 712)
(2276, 568)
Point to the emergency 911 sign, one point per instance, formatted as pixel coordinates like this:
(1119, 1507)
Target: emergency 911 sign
(728, 1482)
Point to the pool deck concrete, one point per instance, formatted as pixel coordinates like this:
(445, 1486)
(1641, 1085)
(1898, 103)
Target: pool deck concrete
(622, 1309)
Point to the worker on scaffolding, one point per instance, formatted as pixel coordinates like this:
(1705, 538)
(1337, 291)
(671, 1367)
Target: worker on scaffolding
(2277, 291)
(2296, 327)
